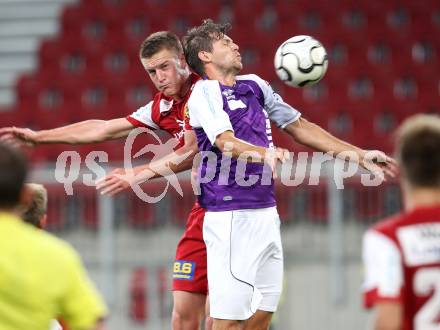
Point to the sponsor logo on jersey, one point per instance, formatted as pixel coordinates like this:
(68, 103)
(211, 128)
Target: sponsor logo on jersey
(420, 243)
(186, 111)
(184, 270)
(227, 92)
(236, 104)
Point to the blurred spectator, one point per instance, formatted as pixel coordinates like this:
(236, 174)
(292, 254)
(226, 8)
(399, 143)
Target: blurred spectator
(401, 253)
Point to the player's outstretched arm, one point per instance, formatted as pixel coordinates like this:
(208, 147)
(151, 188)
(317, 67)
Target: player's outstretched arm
(84, 132)
(387, 316)
(237, 148)
(313, 136)
(177, 161)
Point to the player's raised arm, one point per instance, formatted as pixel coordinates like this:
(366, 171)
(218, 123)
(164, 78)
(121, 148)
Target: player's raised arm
(313, 136)
(227, 142)
(178, 161)
(88, 131)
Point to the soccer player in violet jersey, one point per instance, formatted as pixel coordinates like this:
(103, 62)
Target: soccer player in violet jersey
(241, 227)
(402, 254)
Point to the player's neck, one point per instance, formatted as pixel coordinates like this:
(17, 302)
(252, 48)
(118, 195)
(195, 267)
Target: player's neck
(11, 211)
(226, 78)
(421, 197)
(184, 90)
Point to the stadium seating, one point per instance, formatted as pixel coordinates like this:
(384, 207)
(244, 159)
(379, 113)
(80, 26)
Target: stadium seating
(138, 296)
(382, 55)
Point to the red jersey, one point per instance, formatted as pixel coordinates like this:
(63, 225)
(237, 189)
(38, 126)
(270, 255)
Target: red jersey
(164, 113)
(402, 264)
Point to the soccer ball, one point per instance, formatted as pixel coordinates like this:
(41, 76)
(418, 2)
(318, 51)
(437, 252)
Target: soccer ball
(301, 61)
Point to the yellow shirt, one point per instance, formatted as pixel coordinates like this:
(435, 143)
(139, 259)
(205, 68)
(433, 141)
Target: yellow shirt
(41, 278)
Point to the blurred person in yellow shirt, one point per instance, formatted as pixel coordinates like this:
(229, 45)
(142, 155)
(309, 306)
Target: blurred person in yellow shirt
(41, 277)
(34, 212)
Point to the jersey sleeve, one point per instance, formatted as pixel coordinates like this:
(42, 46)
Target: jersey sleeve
(142, 117)
(81, 305)
(281, 113)
(383, 269)
(205, 108)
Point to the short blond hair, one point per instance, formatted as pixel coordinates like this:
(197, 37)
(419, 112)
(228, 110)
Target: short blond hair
(37, 207)
(418, 150)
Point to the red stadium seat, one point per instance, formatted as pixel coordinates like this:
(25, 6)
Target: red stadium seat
(369, 203)
(182, 205)
(139, 213)
(317, 203)
(284, 200)
(139, 303)
(56, 208)
(89, 206)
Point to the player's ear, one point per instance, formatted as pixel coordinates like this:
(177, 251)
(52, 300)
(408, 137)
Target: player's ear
(26, 196)
(182, 61)
(204, 56)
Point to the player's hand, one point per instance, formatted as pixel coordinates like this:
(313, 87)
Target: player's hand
(378, 163)
(118, 180)
(275, 156)
(18, 136)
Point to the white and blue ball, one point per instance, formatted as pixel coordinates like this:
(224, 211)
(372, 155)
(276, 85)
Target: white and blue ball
(301, 61)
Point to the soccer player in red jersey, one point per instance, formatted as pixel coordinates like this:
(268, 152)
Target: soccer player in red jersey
(162, 56)
(402, 254)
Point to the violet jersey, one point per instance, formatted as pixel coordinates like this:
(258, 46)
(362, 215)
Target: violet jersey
(402, 264)
(164, 113)
(228, 184)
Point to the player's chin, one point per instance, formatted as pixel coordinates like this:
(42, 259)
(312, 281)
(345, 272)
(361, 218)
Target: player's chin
(168, 91)
(238, 66)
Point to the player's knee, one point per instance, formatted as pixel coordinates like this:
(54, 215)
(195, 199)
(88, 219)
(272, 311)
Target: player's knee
(259, 321)
(208, 323)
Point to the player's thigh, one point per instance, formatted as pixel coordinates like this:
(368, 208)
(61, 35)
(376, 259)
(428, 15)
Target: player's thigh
(208, 318)
(229, 289)
(259, 321)
(227, 325)
(190, 270)
(188, 304)
(237, 244)
(269, 279)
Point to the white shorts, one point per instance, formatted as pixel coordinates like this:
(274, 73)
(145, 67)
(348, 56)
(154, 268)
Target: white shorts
(245, 262)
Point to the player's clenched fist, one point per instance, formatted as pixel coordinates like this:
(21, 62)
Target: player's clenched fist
(275, 155)
(18, 136)
(115, 182)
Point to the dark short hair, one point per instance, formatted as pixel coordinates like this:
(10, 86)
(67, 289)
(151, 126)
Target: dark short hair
(13, 170)
(160, 40)
(200, 38)
(418, 150)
